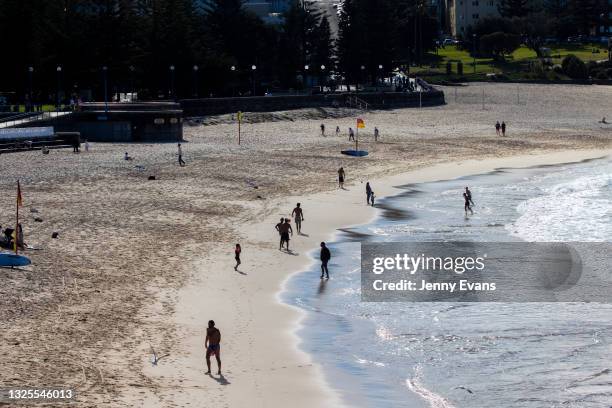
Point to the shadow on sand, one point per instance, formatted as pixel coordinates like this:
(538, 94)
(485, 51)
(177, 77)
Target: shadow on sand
(221, 379)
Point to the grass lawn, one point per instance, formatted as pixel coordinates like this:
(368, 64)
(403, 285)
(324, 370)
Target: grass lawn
(514, 63)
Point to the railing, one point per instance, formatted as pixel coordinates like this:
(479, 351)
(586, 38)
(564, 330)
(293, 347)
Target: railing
(355, 102)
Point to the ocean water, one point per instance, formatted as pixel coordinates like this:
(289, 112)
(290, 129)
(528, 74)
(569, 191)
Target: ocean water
(467, 354)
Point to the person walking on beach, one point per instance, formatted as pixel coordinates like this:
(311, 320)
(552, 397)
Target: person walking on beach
(376, 134)
(372, 198)
(467, 204)
(351, 135)
(325, 257)
(76, 145)
(298, 216)
(285, 229)
(180, 156)
(278, 228)
(322, 129)
(368, 192)
(341, 177)
(213, 345)
(503, 128)
(237, 252)
(337, 130)
(497, 128)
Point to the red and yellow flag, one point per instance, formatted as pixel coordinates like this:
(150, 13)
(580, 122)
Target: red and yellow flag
(19, 198)
(360, 123)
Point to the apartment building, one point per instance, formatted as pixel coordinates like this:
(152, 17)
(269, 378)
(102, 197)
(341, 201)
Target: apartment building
(464, 13)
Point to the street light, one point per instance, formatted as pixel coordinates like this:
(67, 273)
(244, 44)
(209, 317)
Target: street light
(253, 69)
(233, 69)
(104, 71)
(474, 51)
(195, 80)
(380, 70)
(59, 85)
(172, 81)
(322, 78)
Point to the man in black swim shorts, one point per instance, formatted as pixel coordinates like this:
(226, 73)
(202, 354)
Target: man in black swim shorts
(213, 345)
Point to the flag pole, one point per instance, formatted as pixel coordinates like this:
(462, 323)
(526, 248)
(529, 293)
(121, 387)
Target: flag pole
(17, 220)
(357, 137)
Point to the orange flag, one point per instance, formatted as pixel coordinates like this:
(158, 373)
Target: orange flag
(360, 123)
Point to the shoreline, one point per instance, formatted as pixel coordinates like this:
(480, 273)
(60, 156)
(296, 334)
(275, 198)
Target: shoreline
(263, 361)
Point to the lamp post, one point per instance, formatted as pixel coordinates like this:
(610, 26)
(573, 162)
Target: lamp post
(323, 78)
(380, 73)
(104, 74)
(195, 80)
(172, 81)
(30, 73)
(132, 69)
(253, 69)
(361, 76)
(59, 85)
(233, 69)
(306, 68)
(474, 51)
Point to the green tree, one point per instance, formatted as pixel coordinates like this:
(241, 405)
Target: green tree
(499, 44)
(513, 8)
(574, 67)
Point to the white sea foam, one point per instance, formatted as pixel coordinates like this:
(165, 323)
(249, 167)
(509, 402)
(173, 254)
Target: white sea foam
(577, 210)
(434, 400)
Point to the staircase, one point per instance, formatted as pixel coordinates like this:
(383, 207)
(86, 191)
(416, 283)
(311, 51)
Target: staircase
(356, 103)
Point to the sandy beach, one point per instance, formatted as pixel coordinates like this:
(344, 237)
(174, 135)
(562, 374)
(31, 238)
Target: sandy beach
(145, 264)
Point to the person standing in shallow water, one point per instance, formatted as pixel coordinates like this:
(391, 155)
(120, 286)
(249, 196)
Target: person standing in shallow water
(325, 257)
(341, 177)
(467, 205)
(503, 128)
(469, 195)
(497, 128)
(322, 129)
(213, 345)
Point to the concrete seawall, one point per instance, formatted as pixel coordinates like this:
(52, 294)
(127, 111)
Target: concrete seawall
(375, 100)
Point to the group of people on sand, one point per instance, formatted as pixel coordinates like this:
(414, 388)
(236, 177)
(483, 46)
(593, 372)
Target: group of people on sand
(284, 228)
(351, 132)
(212, 342)
(500, 129)
(127, 157)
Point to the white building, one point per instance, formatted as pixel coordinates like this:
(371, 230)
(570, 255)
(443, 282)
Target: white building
(464, 13)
